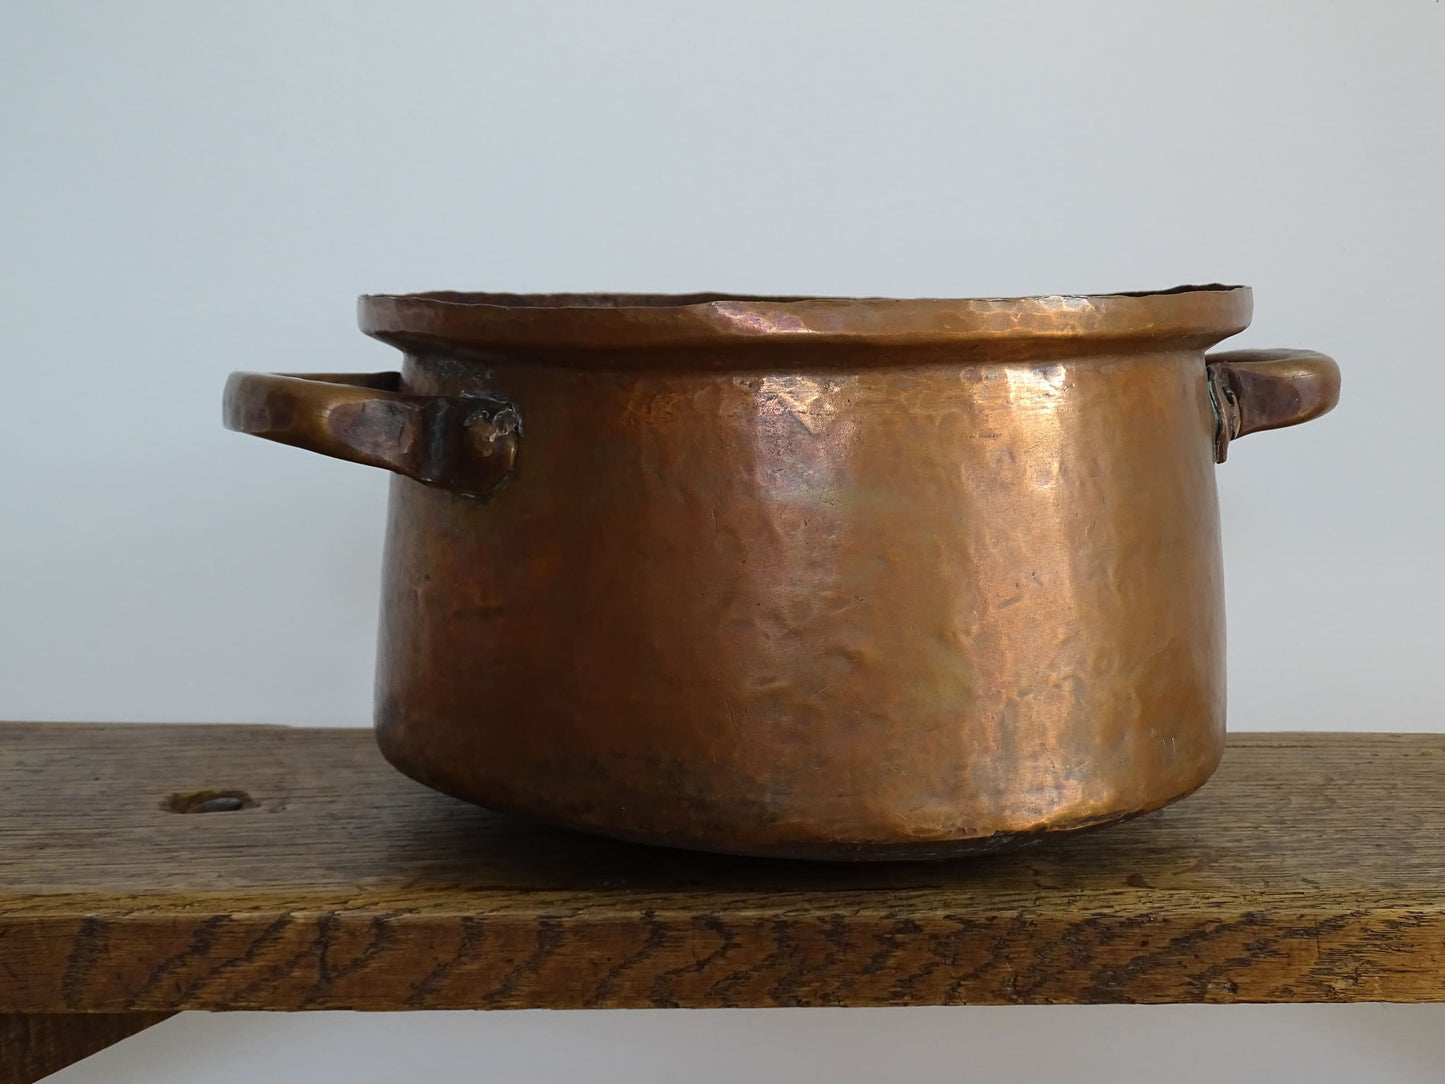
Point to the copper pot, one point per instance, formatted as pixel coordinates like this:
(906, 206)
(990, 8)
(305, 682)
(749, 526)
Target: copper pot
(812, 577)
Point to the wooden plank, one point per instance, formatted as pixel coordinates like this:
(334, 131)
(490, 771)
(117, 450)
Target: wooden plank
(32, 1046)
(1311, 869)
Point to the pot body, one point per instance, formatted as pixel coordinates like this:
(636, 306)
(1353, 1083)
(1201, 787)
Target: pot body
(896, 601)
(798, 611)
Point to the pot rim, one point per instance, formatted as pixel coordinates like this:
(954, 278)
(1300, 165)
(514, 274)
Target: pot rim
(1192, 316)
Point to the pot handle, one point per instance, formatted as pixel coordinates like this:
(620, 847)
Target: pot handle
(1252, 390)
(464, 444)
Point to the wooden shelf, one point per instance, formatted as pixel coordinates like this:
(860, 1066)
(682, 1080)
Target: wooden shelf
(1311, 869)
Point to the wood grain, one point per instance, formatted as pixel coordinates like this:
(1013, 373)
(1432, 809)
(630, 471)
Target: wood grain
(34, 1046)
(1311, 869)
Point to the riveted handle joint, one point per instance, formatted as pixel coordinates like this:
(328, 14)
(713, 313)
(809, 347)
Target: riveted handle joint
(1252, 390)
(468, 445)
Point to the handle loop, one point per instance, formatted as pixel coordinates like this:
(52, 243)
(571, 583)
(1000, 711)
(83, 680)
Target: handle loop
(1253, 390)
(461, 444)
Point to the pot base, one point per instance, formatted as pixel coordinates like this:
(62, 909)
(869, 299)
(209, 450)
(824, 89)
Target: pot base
(809, 850)
(931, 851)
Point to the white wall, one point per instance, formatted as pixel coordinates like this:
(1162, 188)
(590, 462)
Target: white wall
(190, 188)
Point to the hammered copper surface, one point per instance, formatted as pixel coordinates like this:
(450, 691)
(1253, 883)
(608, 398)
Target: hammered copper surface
(824, 578)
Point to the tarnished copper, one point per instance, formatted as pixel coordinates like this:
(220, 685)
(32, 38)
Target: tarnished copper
(814, 577)
(467, 445)
(1253, 390)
